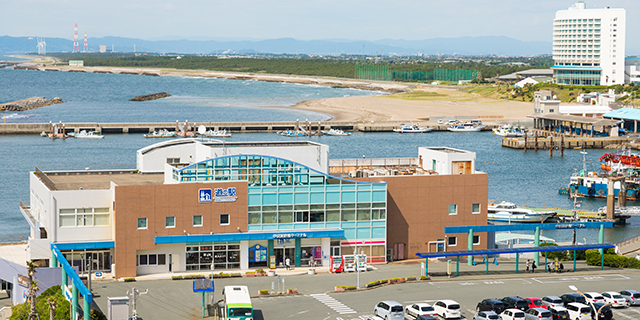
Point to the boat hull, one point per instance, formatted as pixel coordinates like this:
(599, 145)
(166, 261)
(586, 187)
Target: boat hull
(518, 218)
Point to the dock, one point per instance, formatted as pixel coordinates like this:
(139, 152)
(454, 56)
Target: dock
(531, 143)
(235, 127)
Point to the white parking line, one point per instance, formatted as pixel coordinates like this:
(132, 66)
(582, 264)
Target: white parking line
(604, 277)
(618, 313)
(332, 303)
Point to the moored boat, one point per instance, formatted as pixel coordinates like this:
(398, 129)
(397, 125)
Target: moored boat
(509, 131)
(86, 135)
(293, 133)
(413, 128)
(217, 133)
(335, 132)
(161, 134)
(467, 127)
(623, 170)
(509, 212)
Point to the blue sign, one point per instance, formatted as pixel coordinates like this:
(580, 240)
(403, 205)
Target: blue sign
(203, 285)
(98, 274)
(224, 195)
(204, 195)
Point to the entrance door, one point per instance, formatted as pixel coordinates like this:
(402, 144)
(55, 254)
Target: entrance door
(170, 262)
(335, 251)
(282, 254)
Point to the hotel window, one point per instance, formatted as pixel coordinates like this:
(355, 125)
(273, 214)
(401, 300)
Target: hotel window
(453, 209)
(302, 216)
(452, 242)
(224, 219)
(475, 208)
(197, 220)
(476, 240)
(142, 223)
(170, 222)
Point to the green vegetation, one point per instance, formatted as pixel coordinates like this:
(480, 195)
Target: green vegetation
(54, 294)
(611, 259)
(564, 93)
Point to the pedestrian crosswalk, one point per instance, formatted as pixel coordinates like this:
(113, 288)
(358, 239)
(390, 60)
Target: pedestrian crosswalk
(332, 303)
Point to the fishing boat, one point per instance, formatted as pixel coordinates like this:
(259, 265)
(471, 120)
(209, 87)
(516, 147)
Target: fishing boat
(217, 133)
(86, 135)
(336, 132)
(293, 133)
(413, 128)
(164, 133)
(466, 127)
(509, 131)
(509, 212)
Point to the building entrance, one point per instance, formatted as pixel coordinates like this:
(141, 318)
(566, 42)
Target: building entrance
(282, 254)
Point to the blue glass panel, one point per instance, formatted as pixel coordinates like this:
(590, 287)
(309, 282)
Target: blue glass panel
(364, 233)
(378, 233)
(379, 196)
(348, 187)
(285, 226)
(380, 186)
(317, 188)
(285, 198)
(317, 197)
(255, 227)
(302, 198)
(316, 225)
(348, 197)
(301, 226)
(333, 187)
(254, 199)
(333, 197)
(332, 225)
(255, 190)
(285, 189)
(270, 189)
(378, 223)
(363, 223)
(270, 227)
(348, 224)
(302, 189)
(350, 233)
(363, 186)
(269, 199)
(364, 196)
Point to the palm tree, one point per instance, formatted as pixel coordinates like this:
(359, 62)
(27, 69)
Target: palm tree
(33, 288)
(52, 306)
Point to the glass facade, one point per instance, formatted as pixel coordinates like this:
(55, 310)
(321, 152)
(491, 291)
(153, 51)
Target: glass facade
(223, 255)
(577, 77)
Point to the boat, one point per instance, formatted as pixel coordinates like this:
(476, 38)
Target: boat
(164, 133)
(85, 135)
(335, 132)
(623, 168)
(413, 128)
(217, 133)
(509, 212)
(54, 136)
(509, 131)
(293, 133)
(466, 127)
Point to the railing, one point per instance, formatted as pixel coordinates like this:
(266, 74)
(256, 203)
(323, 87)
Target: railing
(628, 241)
(47, 182)
(21, 238)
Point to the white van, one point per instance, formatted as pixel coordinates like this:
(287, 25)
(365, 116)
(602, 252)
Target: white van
(447, 309)
(578, 311)
(389, 310)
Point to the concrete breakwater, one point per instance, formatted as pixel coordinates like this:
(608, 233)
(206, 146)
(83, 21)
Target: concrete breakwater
(546, 143)
(153, 96)
(36, 128)
(28, 104)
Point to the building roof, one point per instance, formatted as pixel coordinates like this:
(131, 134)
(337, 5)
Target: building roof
(527, 74)
(583, 108)
(597, 122)
(97, 179)
(624, 114)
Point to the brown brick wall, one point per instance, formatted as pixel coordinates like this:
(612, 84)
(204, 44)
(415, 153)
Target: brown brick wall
(155, 202)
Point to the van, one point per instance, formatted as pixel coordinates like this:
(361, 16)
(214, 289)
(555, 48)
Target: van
(389, 310)
(447, 309)
(578, 311)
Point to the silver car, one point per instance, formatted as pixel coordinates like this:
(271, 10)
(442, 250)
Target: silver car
(632, 296)
(538, 314)
(486, 315)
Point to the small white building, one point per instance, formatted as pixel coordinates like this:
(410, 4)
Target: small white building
(102, 48)
(76, 63)
(545, 101)
(445, 160)
(632, 70)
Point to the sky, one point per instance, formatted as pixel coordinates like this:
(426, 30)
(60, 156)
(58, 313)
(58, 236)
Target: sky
(299, 19)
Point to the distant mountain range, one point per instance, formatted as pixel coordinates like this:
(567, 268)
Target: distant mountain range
(464, 46)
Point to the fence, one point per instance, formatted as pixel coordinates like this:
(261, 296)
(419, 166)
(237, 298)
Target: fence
(383, 73)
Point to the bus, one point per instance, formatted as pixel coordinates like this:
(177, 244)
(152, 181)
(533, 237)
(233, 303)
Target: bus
(237, 303)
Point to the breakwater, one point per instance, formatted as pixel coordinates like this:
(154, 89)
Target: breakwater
(28, 104)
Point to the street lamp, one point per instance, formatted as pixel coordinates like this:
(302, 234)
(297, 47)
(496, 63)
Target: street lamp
(597, 312)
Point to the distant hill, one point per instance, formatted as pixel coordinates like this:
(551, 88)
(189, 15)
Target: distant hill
(464, 46)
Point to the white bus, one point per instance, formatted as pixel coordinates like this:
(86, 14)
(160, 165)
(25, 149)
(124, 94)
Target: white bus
(237, 303)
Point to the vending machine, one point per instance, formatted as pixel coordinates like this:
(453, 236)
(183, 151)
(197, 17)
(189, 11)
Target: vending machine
(337, 264)
(362, 262)
(349, 263)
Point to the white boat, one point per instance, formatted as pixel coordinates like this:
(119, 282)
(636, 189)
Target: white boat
(85, 135)
(294, 133)
(509, 131)
(467, 127)
(336, 132)
(509, 212)
(164, 133)
(414, 128)
(217, 133)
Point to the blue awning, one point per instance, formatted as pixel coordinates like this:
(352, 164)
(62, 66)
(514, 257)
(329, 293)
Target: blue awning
(85, 245)
(624, 114)
(248, 236)
(513, 250)
(528, 226)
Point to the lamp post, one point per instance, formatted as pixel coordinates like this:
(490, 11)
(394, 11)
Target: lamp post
(597, 312)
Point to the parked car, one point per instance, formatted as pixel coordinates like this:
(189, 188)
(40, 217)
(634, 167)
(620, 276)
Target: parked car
(594, 297)
(603, 314)
(426, 317)
(494, 305)
(632, 296)
(512, 314)
(447, 309)
(535, 303)
(419, 309)
(451, 122)
(486, 315)
(559, 313)
(515, 303)
(538, 314)
(476, 122)
(572, 297)
(615, 299)
(552, 301)
(389, 310)
(578, 311)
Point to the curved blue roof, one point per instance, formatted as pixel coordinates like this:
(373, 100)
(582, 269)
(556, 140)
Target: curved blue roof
(623, 113)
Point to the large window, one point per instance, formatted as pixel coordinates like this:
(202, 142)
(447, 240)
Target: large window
(224, 219)
(222, 255)
(152, 259)
(452, 242)
(197, 220)
(475, 208)
(453, 209)
(170, 222)
(142, 223)
(84, 217)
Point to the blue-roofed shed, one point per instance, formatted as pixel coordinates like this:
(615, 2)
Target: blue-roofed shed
(629, 117)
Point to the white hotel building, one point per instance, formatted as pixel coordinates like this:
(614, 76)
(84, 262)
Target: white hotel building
(589, 46)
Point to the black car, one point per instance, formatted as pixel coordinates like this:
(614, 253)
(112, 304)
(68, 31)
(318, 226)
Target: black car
(425, 317)
(494, 305)
(604, 314)
(562, 314)
(573, 297)
(515, 303)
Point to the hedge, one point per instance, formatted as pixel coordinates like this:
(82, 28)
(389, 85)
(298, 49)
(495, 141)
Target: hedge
(611, 259)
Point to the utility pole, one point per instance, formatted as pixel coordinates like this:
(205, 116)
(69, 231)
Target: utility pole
(135, 293)
(90, 264)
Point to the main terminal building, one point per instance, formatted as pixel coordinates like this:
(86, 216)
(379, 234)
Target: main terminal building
(196, 205)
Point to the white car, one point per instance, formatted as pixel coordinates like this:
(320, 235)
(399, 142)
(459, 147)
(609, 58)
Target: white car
(579, 311)
(447, 309)
(552, 301)
(594, 297)
(420, 309)
(451, 122)
(512, 314)
(615, 299)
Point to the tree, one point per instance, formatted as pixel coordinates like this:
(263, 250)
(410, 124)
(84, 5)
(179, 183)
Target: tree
(33, 288)
(52, 307)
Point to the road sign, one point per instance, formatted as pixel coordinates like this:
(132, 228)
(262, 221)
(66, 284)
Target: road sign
(203, 285)
(98, 274)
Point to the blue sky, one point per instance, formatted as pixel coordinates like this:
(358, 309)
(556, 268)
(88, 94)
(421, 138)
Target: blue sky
(300, 19)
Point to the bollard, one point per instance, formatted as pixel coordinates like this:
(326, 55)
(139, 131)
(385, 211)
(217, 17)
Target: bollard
(551, 146)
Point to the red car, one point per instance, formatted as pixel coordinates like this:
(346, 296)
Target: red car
(535, 303)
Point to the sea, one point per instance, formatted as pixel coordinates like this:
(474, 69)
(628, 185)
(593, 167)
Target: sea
(524, 178)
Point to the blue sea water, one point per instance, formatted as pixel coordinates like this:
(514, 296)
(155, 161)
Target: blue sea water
(531, 178)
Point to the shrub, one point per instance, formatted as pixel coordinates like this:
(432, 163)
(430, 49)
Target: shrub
(21, 311)
(411, 278)
(611, 259)
(263, 292)
(372, 284)
(260, 271)
(129, 279)
(424, 278)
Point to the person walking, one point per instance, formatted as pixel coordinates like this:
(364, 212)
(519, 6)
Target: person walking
(533, 267)
(561, 267)
(527, 265)
(287, 263)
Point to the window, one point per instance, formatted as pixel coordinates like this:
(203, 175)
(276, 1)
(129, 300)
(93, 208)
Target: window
(152, 259)
(302, 216)
(173, 160)
(476, 240)
(84, 217)
(475, 208)
(224, 219)
(197, 220)
(453, 209)
(453, 241)
(170, 222)
(142, 223)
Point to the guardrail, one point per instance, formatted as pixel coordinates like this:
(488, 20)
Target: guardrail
(21, 238)
(628, 241)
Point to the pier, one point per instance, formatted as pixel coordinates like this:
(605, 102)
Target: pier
(235, 127)
(533, 142)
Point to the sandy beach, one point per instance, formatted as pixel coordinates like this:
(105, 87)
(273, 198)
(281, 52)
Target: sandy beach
(399, 102)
